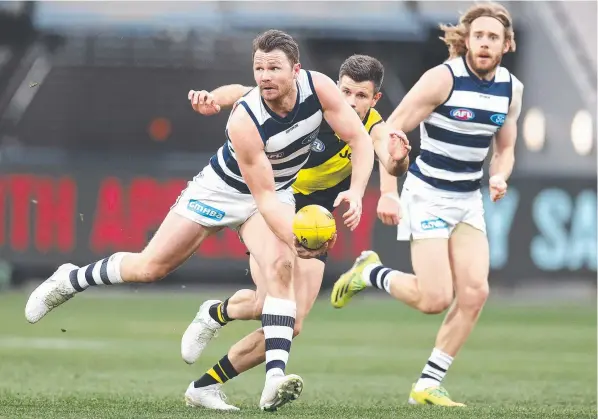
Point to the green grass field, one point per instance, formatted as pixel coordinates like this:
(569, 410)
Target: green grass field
(119, 357)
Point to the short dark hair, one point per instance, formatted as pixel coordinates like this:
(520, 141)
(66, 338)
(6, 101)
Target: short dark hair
(362, 68)
(275, 39)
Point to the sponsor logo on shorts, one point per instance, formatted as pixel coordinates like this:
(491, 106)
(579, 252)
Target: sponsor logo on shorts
(204, 210)
(463, 114)
(433, 224)
(318, 146)
(498, 119)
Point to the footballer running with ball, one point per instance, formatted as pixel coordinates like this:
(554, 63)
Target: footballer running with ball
(326, 174)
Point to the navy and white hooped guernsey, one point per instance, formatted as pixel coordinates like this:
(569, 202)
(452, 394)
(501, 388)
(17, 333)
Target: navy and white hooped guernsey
(457, 135)
(287, 141)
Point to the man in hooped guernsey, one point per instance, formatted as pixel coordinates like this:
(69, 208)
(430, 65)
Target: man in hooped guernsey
(462, 106)
(326, 173)
(245, 187)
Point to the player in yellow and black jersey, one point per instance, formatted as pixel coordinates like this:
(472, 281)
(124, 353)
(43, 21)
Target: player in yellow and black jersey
(328, 169)
(326, 174)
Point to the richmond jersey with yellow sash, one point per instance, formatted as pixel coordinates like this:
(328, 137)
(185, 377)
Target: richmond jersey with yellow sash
(328, 169)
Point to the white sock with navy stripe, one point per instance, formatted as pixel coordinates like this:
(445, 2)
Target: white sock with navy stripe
(376, 276)
(434, 370)
(103, 272)
(278, 321)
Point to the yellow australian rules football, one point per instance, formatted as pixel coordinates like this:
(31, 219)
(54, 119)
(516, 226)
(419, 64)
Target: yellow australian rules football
(313, 226)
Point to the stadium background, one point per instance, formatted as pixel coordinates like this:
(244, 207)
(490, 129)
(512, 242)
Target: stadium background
(97, 139)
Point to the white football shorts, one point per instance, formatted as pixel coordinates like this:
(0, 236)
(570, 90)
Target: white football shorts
(209, 201)
(429, 213)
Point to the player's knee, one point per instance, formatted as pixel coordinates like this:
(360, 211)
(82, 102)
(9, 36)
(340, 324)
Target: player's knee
(472, 298)
(436, 303)
(281, 270)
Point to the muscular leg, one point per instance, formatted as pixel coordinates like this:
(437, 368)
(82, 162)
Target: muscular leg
(469, 256)
(470, 263)
(246, 304)
(250, 351)
(174, 242)
(430, 290)
(276, 262)
(176, 239)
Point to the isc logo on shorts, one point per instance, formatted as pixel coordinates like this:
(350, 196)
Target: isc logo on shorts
(205, 210)
(433, 224)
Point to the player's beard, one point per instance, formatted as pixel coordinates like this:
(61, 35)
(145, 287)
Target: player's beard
(483, 71)
(283, 92)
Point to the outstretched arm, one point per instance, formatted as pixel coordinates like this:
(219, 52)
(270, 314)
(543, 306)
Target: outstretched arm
(226, 96)
(210, 103)
(430, 91)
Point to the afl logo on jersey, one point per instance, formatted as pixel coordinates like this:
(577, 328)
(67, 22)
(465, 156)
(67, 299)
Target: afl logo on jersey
(498, 119)
(318, 146)
(463, 114)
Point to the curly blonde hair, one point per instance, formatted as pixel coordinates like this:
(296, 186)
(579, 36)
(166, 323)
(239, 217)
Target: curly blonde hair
(455, 36)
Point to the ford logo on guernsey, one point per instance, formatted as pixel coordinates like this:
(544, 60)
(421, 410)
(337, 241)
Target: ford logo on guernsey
(498, 119)
(463, 114)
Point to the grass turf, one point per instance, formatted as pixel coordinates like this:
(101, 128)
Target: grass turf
(119, 357)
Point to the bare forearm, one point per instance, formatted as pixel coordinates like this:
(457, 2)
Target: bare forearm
(362, 160)
(388, 182)
(502, 163)
(275, 216)
(405, 119)
(226, 96)
(396, 168)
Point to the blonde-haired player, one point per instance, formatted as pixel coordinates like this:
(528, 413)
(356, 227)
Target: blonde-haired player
(462, 106)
